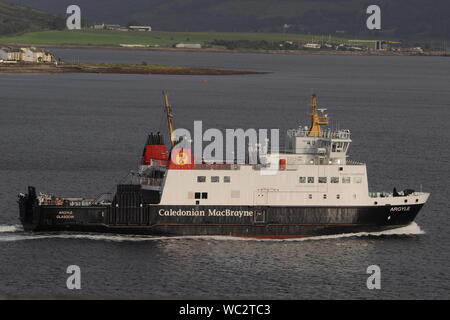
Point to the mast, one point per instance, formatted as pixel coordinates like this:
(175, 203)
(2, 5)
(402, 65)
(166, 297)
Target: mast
(169, 117)
(316, 119)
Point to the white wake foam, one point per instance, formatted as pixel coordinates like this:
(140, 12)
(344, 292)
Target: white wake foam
(15, 233)
(411, 229)
(6, 228)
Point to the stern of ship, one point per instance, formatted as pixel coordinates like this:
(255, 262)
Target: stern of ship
(29, 209)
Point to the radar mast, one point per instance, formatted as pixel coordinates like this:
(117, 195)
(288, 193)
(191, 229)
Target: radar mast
(316, 119)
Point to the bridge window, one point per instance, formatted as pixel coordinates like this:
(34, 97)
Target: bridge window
(345, 146)
(345, 179)
(338, 147)
(201, 179)
(310, 179)
(302, 179)
(334, 179)
(215, 179)
(227, 179)
(322, 179)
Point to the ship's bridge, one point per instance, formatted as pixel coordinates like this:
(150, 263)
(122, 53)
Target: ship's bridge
(322, 146)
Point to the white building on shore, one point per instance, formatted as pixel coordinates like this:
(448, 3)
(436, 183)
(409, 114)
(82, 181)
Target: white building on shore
(188, 45)
(140, 28)
(10, 54)
(29, 54)
(118, 27)
(312, 46)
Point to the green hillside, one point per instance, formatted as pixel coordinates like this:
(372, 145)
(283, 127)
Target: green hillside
(17, 19)
(400, 18)
(114, 38)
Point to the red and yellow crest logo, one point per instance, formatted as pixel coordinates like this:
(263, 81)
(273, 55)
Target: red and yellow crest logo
(181, 159)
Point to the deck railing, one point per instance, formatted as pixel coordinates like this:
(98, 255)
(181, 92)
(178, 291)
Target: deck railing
(327, 134)
(157, 182)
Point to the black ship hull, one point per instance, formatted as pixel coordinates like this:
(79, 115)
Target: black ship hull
(128, 215)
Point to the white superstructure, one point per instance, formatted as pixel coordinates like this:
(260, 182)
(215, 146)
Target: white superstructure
(314, 170)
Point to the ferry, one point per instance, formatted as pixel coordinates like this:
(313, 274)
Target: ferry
(316, 190)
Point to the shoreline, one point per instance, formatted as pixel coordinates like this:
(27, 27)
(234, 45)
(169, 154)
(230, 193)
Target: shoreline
(116, 69)
(242, 51)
